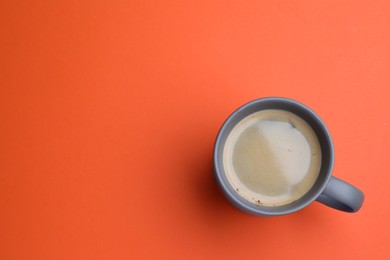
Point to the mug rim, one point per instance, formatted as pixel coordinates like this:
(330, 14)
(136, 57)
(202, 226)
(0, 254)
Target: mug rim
(250, 207)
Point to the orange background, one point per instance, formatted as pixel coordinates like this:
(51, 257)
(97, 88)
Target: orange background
(109, 111)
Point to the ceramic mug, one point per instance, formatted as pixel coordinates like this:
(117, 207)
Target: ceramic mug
(326, 189)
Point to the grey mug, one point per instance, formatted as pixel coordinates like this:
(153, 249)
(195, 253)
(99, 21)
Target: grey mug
(327, 189)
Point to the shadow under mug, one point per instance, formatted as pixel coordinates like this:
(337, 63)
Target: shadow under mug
(327, 189)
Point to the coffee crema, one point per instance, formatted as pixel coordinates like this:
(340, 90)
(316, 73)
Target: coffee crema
(272, 157)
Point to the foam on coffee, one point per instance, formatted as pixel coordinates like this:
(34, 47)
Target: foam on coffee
(272, 157)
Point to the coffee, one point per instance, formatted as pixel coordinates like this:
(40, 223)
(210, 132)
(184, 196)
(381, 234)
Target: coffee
(272, 157)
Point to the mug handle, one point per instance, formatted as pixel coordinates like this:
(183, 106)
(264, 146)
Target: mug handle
(341, 195)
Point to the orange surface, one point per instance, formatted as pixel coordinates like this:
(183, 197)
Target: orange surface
(109, 111)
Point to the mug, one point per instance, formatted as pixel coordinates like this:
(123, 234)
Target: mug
(325, 188)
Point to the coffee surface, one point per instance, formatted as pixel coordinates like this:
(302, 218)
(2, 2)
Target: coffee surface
(272, 157)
